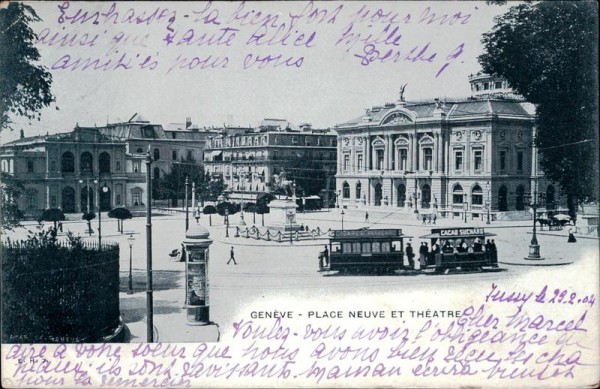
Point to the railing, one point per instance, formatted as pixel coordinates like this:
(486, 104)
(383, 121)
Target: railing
(278, 236)
(57, 291)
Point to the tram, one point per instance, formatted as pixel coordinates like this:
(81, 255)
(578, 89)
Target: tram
(464, 248)
(367, 250)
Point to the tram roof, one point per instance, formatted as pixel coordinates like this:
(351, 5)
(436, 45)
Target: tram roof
(457, 233)
(364, 233)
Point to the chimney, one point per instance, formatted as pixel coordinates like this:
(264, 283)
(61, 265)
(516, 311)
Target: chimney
(188, 122)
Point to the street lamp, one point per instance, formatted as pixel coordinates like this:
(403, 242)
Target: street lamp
(465, 208)
(103, 189)
(130, 284)
(243, 181)
(227, 222)
(488, 202)
(149, 297)
(187, 214)
(88, 190)
(342, 213)
(534, 201)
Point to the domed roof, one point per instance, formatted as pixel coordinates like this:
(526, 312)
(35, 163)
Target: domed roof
(197, 231)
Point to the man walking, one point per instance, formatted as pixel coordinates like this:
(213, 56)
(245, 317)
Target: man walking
(366, 217)
(232, 257)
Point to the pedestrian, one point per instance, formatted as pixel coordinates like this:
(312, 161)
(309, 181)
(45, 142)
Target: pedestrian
(423, 250)
(410, 255)
(60, 227)
(424, 220)
(571, 237)
(183, 253)
(367, 217)
(326, 257)
(434, 218)
(232, 257)
(477, 245)
(429, 219)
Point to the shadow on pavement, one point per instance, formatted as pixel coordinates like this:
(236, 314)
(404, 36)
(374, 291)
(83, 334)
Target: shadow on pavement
(133, 309)
(161, 280)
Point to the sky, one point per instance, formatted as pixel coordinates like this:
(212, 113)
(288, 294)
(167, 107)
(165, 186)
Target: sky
(209, 61)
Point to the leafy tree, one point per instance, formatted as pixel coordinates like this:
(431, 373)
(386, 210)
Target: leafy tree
(548, 52)
(24, 85)
(120, 214)
(251, 207)
(53, 215)
(262, 205)
(209, 210)
(89, 216)
(10, 190)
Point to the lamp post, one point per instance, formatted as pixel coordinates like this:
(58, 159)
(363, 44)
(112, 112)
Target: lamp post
(130, 283)
(337, 198)
(149, 305)
(342, 213)
(243, 181)
(88, 191)
(227, 222)
(187, 214)
(465, 209)
(534, 201)
(103, 189)
(488, 202)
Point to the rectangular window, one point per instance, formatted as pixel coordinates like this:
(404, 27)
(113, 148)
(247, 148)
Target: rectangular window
(385, 247)
(366, 247)
(347, 248)
(30, 166)
(478, 157)
(346, 162)
(118, 199)
(458, 160)
(503, 160)
(294, 140)
(190, 154)
(428, 158)
(498, 84)
(356, 247)
(136, 166)
(520, 161)
(359, 161)
(486, 85)
(118, 166)
(379, 159)
(403, 159)
(32, 200)
(457, 198)
(53, 202)
(376, 247)
(477, 198)
(174, 155)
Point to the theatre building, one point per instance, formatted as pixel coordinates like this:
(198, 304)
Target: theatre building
(73, 171)
(455, 156)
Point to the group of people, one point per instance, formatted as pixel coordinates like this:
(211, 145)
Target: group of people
(461, 246)
(428, 219)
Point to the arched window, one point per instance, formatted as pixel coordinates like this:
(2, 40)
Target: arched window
(401, 195)
(378, 194)
(104, 162)
(156, 154)
(520, 200)
(550, 200)
(346, 190)
(86, 162)
(477, 195)
(457, 194)
(68, 200)
(67, 162)
(503, 199)
(358, 194)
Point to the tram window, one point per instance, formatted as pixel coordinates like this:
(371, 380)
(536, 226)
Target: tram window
(385, 247)
(356, 247)
(347, 248)
(335, 247)
(376, 247)
(366, 247)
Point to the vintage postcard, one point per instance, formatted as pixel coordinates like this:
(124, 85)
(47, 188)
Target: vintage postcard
(299, 194)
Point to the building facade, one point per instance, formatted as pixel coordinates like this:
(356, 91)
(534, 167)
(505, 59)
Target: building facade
(74, 171)
(168, 144)
(459, 156)
(247, 161)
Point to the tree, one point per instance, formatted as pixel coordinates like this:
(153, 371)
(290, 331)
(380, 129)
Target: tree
(53, 215)
(120, 214)
(262, 205)
(89, 216)
(24, 86)
(251, 207)
(209, 210)
(547, 51)
(10, 190)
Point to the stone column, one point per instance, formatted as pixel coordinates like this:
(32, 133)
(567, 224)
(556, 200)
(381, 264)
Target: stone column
(368, 153)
